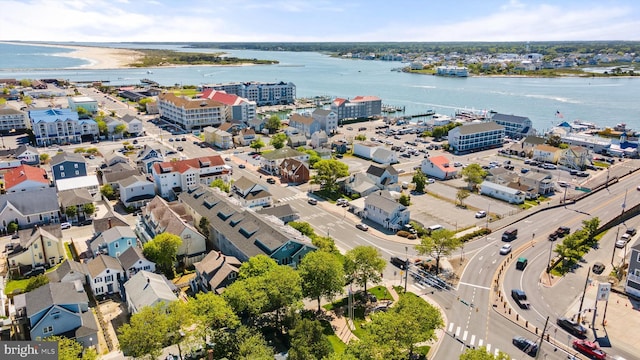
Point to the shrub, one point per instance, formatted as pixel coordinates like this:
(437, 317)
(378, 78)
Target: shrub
(480, 232)
(412, 236)
(404, 234)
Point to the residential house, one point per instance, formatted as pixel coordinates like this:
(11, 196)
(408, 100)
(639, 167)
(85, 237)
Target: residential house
(105, 275)
(40, 246)
(319, 139)
(539, 180)
(384, 177)
(241, 109)
(58, 308)
(296, 140)
(113, 123)
(245, 137)
(358, 107)
(175, 176)
(218, 138)
(340, 146)
(502, 192)
(251, 194)
(192, 114)
(546, 153)
(90, 105)
(215, 272)
(438, 167)
(114, 157)
(381, 208)
(328, 120)
(133, 261)
(293, 171)
(515, 127)
(25, 178)
(109, 220)
(27, 154)
(263, 94)
(40, 207)
(89, 182)
(575, 157)
(134, 125)
(305, 124)
(284, 212)
(69, 271)
(113, 241)
(148, 289)
(136, 191)
(66, 165)
(375, 152)
(232, 127)
(12, 120)
(456, 71)
(530, 193)
(238, 232)
(148, 156)
(475, 137)
(632, 284)
(61, 126)
(502, 176)
(524, 148)
(271, 161)
(159, 216)
(79, 198)
(111, 175)
(359, 183)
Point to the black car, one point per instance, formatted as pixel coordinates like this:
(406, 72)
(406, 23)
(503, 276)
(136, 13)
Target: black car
(528, 346)
(598, 268)
(572, 327)
(401, 263)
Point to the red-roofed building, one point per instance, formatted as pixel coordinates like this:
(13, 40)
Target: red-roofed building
(439, 167)
(358, 107)
(192, 114)
(241, 108)
(25, 178)
(176, 176)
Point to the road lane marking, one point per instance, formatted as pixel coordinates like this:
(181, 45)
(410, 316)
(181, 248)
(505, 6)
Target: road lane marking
(475, 286)
(458, 331)
(473, 340)
(376, 246)
(450, 327)
(496, 352)
(480, 342)
(489, 348)
(464, 335)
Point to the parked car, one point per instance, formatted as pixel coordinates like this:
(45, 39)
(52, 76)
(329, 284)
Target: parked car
(572, 327)
(505, 249)
(65, 225)
(241, 166)
(401, 263)
(38, 270)
(312, 201)
(589, 348)
(631, 231)
(622, 242)
(271, 181)
(180, 148)
(528, 346)
(362, 227)
(481, 214)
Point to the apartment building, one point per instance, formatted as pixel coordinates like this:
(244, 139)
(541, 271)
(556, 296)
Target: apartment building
(179, 175)
(358, 107)
(192, 114)
(12, 119)
(476, 137)
(263, 94)
(241, 109)
(61, 126)
(515, 127)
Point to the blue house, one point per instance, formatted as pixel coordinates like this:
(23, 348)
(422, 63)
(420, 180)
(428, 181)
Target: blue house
(58, 309)
(68, 165)
(307, 125)
(149, 156)
(113, 241)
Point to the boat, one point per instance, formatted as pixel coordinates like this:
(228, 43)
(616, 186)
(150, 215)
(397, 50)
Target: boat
(149, 72)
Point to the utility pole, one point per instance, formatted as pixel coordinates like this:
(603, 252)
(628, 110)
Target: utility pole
(584, 292)
(613, 255)
(542, 337)
(406, 268)
(549, 262)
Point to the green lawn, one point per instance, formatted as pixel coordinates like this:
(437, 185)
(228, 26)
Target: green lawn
(13, 285)
(337, 344)
(381, 293)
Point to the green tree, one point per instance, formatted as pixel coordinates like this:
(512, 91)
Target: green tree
(3, 101)
(142, 104)
(257, 144)
(211, 311)
(322, 276)
(278, 141)
(360, 137)
(82, 112)
(245, 344)
(89, 208)
(404, 199)
(313, 155)
(438, 244)
(79, 150)
(163, 250)
(273, 124)
(146, 332)
(44, 158)
(12, 227)
(102, 126)
(71, 211)
(304, 227)
(420, 179)
(439, 132)
(328, 172)
(69, 349)
(119, 129)
(107, 191)
(473, 174)
(203, 226)
(308, 341)
(179, 323)
(220, 184)
(325, 243)
(461, 195)
(256, 266)
(364, 264)
(590, 228)
(27, 100)
(482, 354)
(35, 282)
(554, 140)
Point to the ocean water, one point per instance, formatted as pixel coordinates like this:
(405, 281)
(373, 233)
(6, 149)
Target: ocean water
(604, 101)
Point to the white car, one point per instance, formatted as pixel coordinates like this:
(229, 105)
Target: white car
(65, 225)
(481, 214)
(505, 249)
(431, 181)
(362, 227)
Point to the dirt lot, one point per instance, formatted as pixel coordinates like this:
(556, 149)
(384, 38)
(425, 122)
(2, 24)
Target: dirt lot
(114, 315)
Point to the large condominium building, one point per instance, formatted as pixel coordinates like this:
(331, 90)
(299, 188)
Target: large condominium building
(12, 119)
(176, 176)
(515, 127)
(192, 114)
(476, 137)
(59, 126)
(358, 107)
(241, 109)
(262, 94)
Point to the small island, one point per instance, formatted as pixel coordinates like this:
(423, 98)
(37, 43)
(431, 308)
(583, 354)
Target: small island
(159, 58)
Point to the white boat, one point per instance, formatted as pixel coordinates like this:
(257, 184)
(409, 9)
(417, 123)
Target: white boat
(149, 72)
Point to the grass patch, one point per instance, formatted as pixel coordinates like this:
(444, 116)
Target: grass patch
(67, 248)
(328, 195)
(601, 164)
(336, 344)
(13, 285)
(422, 350)
(381, 293)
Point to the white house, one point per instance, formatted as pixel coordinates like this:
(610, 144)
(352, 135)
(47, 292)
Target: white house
(134, 125)
(148, 289)
(27, 154)
(217, 137)
(182, 174)
(135, 191)
(381, 208)
(105, 274)
(319, 139)
(512, 196)
(25, 178)
(270, 162)
(328, 120)
(251, 194)
(133, 261)
(89, 182)
(438, 167)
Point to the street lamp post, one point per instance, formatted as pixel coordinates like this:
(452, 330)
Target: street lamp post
(406, 268)
(584, 292)
(549, 262)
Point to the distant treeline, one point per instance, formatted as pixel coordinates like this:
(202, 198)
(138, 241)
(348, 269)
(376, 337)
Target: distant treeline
(550, 48)
(169, 57)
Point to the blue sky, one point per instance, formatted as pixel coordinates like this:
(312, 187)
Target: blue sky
(318, 20)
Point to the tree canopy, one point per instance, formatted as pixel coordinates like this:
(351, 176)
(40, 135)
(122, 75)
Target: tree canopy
(420, 179)
(473, 174)
(328, 172)
(279, 140)
(364, 264)
(322, 275)
(273, 123)
(70, 349)
(308, 341)
(162, 250)
(438, 244)
(257, 144)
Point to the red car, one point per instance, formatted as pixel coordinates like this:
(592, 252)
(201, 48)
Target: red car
(589, 348)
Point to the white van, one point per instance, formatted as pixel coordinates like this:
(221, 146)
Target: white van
(433, 228)
(405, 185)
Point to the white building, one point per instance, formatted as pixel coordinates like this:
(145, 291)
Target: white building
(60, 126)
(183, 174)
(251, 194)
(218, 138)
(105, 273)
(192, 114)
(438, 167)
(12, 119)
(505, 193)
(381, 208)
(89, 182)
(263, 94)
(136, 191)
(84, 102)
(241, 108)
(375, 152)
(475, 137)
(328, 120)
(134, 125)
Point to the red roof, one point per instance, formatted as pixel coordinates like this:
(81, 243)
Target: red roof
(339, 101)
(221, 96)
(22, 173)
(440, 162)
(183, 165)
(365, 98)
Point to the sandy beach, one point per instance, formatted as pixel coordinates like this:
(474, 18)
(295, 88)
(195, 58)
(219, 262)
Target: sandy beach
(98, 57)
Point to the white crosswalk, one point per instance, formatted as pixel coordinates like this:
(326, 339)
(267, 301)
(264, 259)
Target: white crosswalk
(472, 340)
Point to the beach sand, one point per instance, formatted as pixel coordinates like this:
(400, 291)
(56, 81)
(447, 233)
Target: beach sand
(98, 57)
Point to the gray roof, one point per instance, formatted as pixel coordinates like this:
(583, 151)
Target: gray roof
(381, 202)
(322, 112)
(132, 180)
(8, 110)
(109, 220)
(111, 235)
(23, 148)
(61, 293)
(130, 257)
(75, 197)
(509, 118)
(280, 211)
(282, 153)
(216, 267)
(146, 288)
(382, 153)
(129, 118)
(378, 171)
(101, 263)
(28, 236)
(535, 140)
(478, 128)
(66, 156)
(114, 156)
(67, 267)
(119, 172)
(39, 201)
(244, 183)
